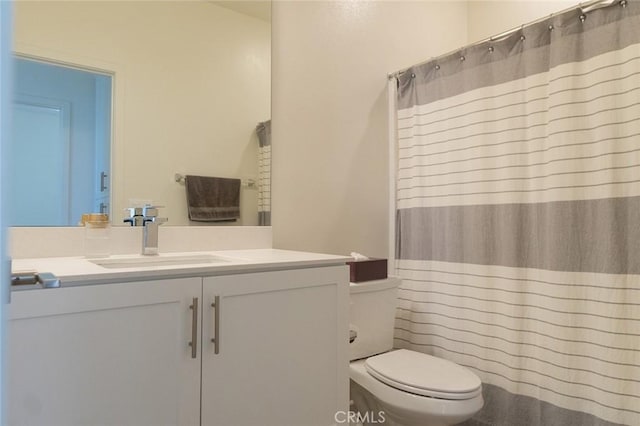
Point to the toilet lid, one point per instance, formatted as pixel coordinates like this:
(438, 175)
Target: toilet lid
(424, 375)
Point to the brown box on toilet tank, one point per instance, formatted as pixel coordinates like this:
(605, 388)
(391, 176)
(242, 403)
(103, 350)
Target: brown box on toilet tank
(367, 270)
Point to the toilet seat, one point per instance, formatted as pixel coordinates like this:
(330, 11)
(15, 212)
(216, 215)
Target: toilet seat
(424, 375)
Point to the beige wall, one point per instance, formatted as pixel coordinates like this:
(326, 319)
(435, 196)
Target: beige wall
(487, 18)
(330, 61)
(192, 81)
(330, 153)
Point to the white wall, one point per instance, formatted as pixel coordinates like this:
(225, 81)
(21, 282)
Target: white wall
(488, 18)
(330, 65)
(192, 81)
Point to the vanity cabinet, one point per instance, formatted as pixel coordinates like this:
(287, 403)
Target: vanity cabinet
(113, 354)
(271, 351)
(282, 342)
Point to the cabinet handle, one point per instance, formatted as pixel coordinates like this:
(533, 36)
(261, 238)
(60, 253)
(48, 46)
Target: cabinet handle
(194, 328)
(216, 327)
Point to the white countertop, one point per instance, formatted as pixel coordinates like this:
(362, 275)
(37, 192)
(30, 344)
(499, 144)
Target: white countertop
(74, 271)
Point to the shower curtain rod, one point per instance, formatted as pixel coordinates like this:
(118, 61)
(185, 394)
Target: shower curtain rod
(585, 7)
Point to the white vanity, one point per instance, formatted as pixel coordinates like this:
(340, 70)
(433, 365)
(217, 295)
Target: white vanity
(251, 337)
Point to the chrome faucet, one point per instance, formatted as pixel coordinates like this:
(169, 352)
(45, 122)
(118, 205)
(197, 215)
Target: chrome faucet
(146, 217)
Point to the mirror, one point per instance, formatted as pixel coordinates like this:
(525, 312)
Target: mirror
(190, 83)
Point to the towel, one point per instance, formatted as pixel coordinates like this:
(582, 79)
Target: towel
(212, 199)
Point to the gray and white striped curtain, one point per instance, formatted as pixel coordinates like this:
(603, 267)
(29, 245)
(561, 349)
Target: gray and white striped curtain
(264, 173)
(518, 217)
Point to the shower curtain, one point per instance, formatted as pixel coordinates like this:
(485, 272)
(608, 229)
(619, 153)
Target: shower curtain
(518, 217)
(264, 173)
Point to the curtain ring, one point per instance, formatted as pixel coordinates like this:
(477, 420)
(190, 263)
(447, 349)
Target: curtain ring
(462, 58)
(551, 27)
(623, 3)
(522, 37)
(437, 67)
(583, 18)
(491, 49)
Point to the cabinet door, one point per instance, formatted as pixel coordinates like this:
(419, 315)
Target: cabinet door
(113, 354)
(282, 355)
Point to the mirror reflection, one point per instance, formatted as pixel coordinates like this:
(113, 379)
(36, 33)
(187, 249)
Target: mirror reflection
(190, 83)
(61, 135)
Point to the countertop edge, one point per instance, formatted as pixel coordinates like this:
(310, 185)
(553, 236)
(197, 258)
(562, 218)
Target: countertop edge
(263, 260)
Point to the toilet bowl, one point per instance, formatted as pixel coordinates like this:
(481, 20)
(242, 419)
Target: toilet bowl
(401, 387)
(413, 388)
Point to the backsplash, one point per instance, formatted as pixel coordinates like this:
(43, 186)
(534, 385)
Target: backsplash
(27, 242)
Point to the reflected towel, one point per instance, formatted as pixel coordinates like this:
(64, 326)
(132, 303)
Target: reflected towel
(211, 199)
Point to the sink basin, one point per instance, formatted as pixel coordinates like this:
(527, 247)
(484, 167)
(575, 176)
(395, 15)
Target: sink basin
(168, 260)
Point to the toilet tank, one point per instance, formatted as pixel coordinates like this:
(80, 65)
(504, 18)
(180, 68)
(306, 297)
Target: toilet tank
(372, 313)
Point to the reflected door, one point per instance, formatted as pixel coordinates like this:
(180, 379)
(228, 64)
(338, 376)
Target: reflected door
(60, 151)
(39, 190)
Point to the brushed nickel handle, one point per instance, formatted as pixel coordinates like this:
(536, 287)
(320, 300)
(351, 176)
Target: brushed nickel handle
(216, 327)
(103, 181)
(194, 328)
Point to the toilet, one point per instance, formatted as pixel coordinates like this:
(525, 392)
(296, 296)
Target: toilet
(398, 386)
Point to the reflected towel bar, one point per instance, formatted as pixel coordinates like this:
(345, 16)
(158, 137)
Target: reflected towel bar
(245, 182)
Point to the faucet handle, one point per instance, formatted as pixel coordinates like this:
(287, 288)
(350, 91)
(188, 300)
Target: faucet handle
(134, 211)
(134, 217)
(150, 211)
(150, 215)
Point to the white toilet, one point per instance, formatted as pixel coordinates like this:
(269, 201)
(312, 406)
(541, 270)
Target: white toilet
(401, 387)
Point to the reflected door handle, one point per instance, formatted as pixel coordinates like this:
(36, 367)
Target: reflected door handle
(103, 181)
(216, 327)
